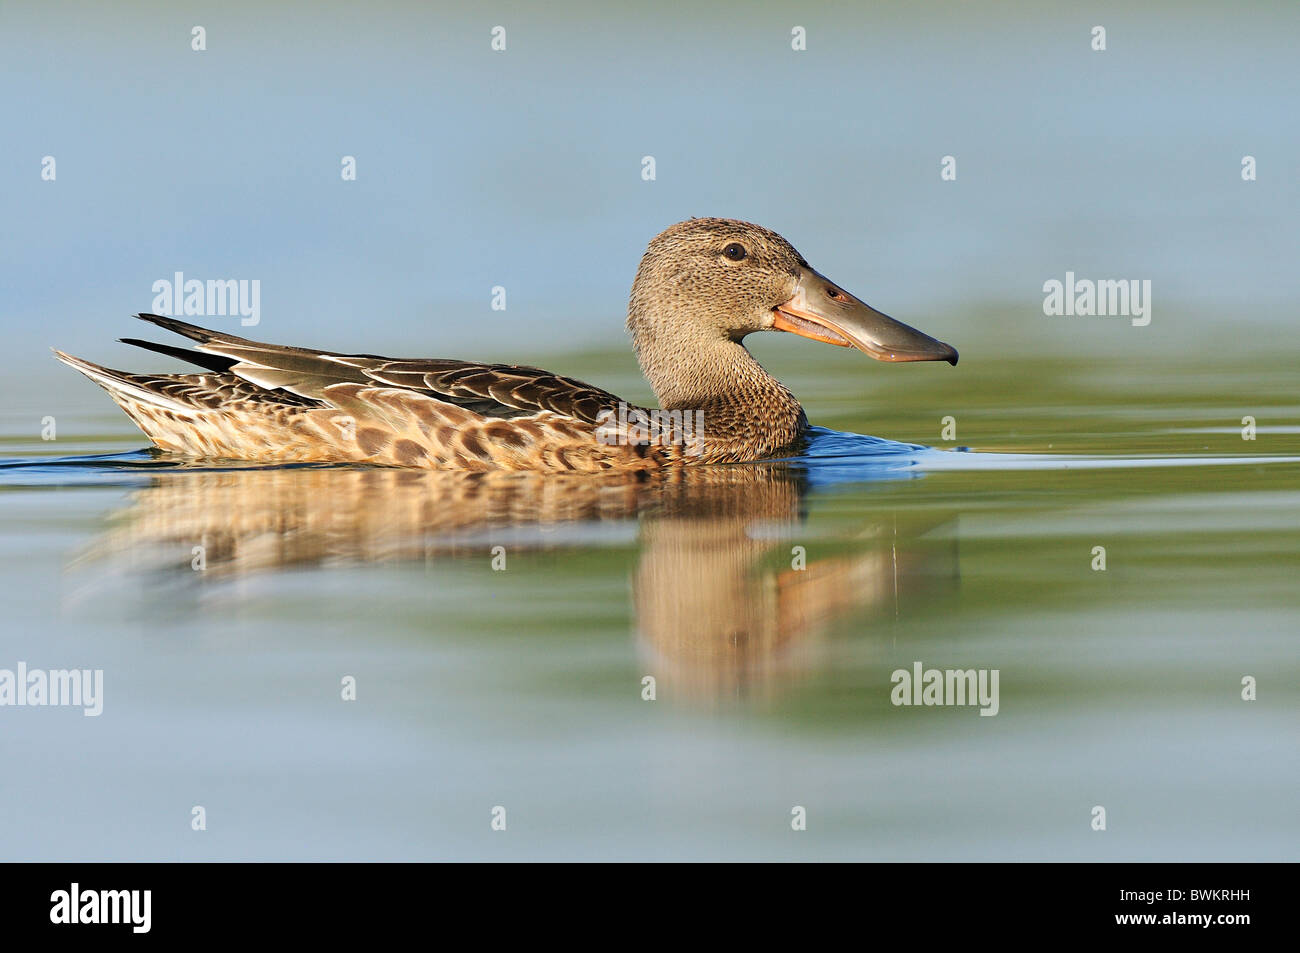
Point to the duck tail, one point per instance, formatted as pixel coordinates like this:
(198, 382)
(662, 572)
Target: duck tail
(129, 390)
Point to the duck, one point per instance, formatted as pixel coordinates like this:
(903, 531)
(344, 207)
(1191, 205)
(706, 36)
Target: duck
(703, 285)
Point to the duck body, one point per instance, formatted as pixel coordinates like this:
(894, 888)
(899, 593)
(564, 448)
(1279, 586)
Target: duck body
(278, 404)
(702, 286)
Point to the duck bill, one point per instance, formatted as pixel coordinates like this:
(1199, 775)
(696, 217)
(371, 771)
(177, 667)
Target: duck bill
(823, 311)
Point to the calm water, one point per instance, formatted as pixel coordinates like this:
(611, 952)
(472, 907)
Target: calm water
(523, 688)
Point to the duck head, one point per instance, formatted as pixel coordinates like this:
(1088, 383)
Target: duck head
(712, 281)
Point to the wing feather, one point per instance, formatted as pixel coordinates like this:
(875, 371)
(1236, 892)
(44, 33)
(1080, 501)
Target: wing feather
(503, 391)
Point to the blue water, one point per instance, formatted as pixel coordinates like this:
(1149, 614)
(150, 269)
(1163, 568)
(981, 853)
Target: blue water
(827, 457)
(771, 602)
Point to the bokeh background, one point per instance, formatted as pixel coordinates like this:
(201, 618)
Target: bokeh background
(522, 169)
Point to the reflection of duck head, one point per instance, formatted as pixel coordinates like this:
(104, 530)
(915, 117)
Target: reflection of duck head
(737, 600)
(723, 605)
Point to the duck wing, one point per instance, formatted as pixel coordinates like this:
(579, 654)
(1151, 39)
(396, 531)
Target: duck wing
(501, 391)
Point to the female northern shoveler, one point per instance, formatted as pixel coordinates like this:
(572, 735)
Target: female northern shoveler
(702, 286)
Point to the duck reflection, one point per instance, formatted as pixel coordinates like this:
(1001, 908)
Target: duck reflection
(733, 594)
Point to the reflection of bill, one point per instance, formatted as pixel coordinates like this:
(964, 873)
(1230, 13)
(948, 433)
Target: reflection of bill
(728, 605)
(638, 426)
(721, 609)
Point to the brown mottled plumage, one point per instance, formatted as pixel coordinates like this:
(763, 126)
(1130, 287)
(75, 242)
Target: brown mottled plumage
(702, 286)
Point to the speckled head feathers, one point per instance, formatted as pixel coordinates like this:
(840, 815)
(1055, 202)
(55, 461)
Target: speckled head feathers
(721, 276)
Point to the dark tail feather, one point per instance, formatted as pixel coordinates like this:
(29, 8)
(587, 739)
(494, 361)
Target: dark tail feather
(192, 331)
(212, 362)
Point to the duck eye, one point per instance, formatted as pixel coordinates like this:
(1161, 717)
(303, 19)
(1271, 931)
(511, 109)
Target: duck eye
(735, 251)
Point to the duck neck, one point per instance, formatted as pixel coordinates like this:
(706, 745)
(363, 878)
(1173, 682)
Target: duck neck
(745, 408)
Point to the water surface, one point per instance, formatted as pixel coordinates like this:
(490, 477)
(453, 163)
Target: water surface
(770, 602)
